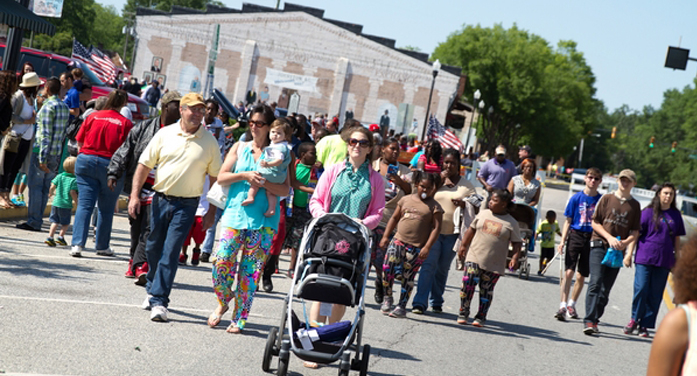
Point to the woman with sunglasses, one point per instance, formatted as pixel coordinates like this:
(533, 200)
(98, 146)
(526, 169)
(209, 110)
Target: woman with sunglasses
(351, 187)
(245, 229)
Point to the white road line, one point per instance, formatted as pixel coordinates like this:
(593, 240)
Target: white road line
(67, 257)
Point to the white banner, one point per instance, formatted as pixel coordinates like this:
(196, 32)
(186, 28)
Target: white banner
(290, 80)
(47, 8)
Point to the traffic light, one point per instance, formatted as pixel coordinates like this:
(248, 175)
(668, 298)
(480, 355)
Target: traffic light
(653, 139)
(614, 131)
(674, 146)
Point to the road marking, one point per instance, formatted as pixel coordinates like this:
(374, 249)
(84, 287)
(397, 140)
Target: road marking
(67, 257)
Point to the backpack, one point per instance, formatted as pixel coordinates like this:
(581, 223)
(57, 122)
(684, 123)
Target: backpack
(71, 133)
(334, 242)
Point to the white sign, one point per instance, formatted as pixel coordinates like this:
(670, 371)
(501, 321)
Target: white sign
(290, 80)
(294, 103)
(47, 8)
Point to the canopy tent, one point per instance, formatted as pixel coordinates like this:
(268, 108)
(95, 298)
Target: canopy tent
(14, 14)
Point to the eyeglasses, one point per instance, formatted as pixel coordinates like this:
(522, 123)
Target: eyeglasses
(363, 143)
(257, 123)
(199, 110)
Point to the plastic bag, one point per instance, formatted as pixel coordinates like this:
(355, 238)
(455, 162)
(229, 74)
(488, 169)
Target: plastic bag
(613, 258)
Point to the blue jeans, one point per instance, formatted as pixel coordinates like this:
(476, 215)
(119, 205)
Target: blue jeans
(602, 279)
(434, 273)
(90, 171)
(170, 221)
(39, 183)
(649, 283)
(210, 233)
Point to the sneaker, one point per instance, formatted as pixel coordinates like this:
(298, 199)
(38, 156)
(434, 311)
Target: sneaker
(417, 310)
(267, 284)
(61, 241)
(182, 259)
(399, 313)
(129, 271)
(379, 292)
(205, 257)
(105, 252)
(561, 314)
(539, 272)
(141, 274)
(159, 313)
(643, 332)
(50, 242)
(21, 201)
(195, 256)
(590, 329)
(630, 328)
(437, 309)
(479, 322)
(595, 329)
(462, 320)
(387, 305)
(146, 303)
(76, 251)
(571, 312)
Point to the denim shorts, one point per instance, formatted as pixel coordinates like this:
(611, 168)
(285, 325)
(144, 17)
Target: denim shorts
(60, 215)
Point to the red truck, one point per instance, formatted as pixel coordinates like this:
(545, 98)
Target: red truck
(48, 64)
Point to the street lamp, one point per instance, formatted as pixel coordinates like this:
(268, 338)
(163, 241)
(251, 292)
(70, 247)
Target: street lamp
(477, 95)
(436, 69)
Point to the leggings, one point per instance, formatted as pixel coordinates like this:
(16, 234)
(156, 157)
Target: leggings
(254, 246)
(486, 280)
(401, 259)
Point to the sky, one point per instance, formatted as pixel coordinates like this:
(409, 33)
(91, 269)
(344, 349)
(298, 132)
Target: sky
(624, 41)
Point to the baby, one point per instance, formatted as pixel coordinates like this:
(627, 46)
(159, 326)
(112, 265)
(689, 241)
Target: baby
(273, 163)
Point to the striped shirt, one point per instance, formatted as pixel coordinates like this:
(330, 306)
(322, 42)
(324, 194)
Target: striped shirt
(52, 121)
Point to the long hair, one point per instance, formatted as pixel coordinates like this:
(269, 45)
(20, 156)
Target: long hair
(8, 84)
(116, 100)
(435, 152)
(685, 272)
(655, 204)
(346, 136)
(269, 118)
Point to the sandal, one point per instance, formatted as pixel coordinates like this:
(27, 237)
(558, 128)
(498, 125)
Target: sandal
(234, 329)
(215, 317)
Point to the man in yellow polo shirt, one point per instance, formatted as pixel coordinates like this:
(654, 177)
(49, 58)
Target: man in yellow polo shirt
(332, 149)
(184, 153)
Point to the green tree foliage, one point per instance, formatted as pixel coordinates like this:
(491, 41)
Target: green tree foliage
(166, 5)
(538, 95)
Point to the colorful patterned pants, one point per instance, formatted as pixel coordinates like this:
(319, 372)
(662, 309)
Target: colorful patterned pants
(486, 280)
(401, 259)
(254, 245)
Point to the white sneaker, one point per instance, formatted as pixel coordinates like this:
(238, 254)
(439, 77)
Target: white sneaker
(146, 303)
(105, 252)
(76, 251)
(159, 313)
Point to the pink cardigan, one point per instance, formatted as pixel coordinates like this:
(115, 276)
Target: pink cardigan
(322, 198)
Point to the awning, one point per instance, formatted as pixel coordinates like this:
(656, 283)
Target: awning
(13, 14)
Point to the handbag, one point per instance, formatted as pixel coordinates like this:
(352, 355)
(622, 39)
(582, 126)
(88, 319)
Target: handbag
(12, 142)
(216, 196)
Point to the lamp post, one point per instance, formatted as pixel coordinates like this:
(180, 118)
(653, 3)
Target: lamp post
(436, 69)
(477, 95)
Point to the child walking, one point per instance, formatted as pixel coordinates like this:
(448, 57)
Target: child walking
(546, 232)
(273, 164)
(418, 220)
(306, 176)
(64, 186)
(485, 248)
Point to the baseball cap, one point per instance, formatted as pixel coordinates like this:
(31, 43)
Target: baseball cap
(374, 128)
(526, 148)
(170, 96)
(191, 99)
(500, 150)
(629, 174)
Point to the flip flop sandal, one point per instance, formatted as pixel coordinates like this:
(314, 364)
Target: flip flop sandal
(214, 318)
(234, 329)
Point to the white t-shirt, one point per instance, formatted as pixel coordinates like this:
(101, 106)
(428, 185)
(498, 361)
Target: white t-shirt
(25, 130)
(126, 112)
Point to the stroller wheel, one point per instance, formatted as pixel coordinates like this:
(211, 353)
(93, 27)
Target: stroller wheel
(365, 359)
(269, 350)
(282, 367)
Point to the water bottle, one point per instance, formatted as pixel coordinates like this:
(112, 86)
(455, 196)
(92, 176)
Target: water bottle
(289, 205)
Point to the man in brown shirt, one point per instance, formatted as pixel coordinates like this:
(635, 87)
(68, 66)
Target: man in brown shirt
(616, 224)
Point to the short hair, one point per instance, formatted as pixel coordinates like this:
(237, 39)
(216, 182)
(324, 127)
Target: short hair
(100, 103)
(116, 100)
(67, 74)
(506, 196)
(390, 141)
(305, 147)
(53, 85)
(284, 125)
(320, 133)
(69, 164)
(594, 170)
(453, 153)
(529, 162)
(77, 73)
(551, 213)
(209, 101)
(86, 85)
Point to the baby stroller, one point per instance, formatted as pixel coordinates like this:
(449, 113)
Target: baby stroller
(525, 215)
(333, 268)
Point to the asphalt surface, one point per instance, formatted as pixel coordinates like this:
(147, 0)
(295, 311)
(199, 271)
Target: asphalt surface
(65, 316)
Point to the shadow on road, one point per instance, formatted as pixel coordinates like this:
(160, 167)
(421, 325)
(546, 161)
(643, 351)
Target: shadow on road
(41, 268)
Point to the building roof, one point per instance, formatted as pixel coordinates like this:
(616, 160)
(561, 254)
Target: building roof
(288, 7)
(13, 14)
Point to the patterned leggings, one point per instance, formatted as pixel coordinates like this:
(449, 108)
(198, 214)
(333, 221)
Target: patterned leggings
(486, 280)
(401, 259)
(255, 246)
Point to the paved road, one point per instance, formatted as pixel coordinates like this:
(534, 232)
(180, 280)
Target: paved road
(65, 316)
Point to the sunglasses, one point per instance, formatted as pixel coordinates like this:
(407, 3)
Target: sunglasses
(363, 143)
(594, 178)
(257, 123)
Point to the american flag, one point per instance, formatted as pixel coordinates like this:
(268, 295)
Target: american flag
(96, 60)
(445, 136)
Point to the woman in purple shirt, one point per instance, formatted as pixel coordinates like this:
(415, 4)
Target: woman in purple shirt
(661, 228)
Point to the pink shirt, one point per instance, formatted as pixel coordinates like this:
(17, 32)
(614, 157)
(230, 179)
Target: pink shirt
(321, 199)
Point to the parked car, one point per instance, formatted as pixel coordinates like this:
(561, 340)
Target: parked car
(47, 65)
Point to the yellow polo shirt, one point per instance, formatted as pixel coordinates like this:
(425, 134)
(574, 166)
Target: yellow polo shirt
(182, 160)
(331, 150)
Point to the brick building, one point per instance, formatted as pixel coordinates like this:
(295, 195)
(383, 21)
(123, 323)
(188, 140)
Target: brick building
(330, 64)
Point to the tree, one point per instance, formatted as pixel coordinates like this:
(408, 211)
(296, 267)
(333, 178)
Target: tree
(534, 94)
(165, 5)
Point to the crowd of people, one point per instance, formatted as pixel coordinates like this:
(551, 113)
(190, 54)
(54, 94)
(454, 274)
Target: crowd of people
(286, 170)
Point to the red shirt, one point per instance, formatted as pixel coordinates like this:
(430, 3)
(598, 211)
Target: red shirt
(103, 132)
